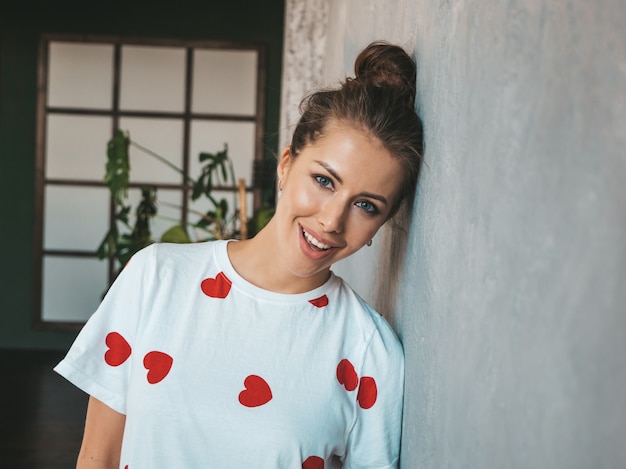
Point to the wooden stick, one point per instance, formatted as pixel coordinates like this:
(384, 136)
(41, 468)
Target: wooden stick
(243, 210)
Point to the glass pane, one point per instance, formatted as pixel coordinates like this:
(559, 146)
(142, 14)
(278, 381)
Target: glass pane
(72, 287)
(224, 82)
(210, 137)
(75, 217)
(161, 136)
(169, 206)
(80, 75)
(152, 78)
(76, 146)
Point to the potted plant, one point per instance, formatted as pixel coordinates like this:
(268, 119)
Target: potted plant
(219, 222)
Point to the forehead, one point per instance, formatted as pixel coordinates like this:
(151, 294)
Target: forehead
(357, 157)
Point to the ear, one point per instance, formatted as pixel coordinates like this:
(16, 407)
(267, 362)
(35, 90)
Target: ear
(284, 164)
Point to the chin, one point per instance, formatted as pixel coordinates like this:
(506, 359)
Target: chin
(314, 274)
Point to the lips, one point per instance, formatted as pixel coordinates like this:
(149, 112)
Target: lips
(314, 248)
(314, 242)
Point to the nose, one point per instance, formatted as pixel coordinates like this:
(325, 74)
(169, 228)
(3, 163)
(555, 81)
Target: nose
(332, 216)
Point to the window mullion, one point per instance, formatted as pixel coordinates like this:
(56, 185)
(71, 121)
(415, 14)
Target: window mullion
(187, 134)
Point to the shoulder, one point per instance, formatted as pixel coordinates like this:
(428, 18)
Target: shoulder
(167, 250)
(371, 325)
(163, 253)
(167, 261)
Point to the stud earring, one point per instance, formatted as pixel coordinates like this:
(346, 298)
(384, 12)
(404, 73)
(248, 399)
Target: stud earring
(369, 243)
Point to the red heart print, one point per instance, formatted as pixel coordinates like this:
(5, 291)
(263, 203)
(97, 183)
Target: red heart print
(346, 375)
(119, 349)
(158, 365)
(257, 392)
(313, 462)
(217, 287)
(320, 302)
(367, 394)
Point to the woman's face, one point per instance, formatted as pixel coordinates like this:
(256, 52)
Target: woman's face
(336, 194)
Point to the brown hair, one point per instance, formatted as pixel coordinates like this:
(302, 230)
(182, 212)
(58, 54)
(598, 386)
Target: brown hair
(381, 100)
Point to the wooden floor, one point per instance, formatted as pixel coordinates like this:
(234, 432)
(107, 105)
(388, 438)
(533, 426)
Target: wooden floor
(41, 414)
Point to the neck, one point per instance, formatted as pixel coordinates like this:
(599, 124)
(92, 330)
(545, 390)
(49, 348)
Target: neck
(259, 261)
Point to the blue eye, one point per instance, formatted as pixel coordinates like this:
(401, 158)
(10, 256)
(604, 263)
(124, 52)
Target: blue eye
(324, 181)
(367, 206)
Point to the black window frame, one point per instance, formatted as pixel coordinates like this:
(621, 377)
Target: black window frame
(255, 187)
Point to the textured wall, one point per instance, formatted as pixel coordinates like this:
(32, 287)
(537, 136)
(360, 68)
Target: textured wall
(306, 28)
(513, 305)
(512, 301)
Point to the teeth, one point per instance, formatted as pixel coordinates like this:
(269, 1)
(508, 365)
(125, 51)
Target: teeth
(315, 242)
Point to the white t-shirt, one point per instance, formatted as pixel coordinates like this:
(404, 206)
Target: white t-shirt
(212, 371)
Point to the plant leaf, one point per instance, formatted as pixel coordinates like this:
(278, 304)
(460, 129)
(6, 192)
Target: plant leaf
(117, 168)
(206, 220)
(203, 156)
(107, 246)
(223, 207)
(176, 234)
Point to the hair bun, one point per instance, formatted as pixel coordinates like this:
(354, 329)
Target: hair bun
(386, 65)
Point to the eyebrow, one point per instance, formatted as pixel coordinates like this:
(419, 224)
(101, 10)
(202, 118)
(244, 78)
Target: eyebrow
(338, 178)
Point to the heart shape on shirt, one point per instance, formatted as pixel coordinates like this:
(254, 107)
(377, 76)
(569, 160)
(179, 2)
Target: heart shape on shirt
(346, 375)
(368, 392)
(118, 349)
(320, 302)
(256, 393)
(158, 365)
(313, 462)
(217, 287)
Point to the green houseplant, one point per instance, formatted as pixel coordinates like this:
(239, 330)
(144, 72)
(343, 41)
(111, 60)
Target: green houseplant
(220, 222)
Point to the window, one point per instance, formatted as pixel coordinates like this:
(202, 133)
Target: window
(175, 98)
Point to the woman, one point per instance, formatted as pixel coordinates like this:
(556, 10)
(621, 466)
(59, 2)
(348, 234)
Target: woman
(253, 353)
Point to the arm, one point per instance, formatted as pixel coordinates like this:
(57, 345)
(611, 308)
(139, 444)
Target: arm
(102, 439)
(374, 440)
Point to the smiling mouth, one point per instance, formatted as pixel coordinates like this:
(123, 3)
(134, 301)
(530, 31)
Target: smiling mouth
(315, 243)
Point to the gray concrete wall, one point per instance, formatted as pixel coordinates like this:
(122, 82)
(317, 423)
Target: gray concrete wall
(512, 297)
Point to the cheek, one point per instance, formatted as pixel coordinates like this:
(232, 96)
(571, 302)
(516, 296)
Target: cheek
(371, 233)
(361, 228)
(302, 197)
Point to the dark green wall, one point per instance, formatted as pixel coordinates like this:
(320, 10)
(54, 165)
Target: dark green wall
(21, 23)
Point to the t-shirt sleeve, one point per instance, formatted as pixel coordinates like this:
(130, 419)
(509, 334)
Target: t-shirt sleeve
(374, 441)
(99, 361)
